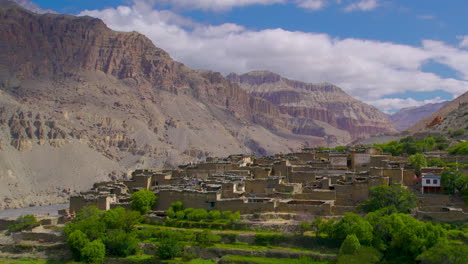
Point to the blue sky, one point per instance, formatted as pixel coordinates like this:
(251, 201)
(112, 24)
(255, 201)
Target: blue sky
(391, 54)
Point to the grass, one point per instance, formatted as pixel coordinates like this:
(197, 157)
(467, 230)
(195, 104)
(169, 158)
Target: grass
(216, 231)
(261, 260)
(245, 246)
(35, 261)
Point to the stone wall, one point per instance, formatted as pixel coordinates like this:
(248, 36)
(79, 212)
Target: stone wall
(191, 199)
(41, 237)
(5, 223)
(316, 194)
(244, 206)
(395, 174)
(448, 216)
(351, 194)
(306, 206)
(341, 210)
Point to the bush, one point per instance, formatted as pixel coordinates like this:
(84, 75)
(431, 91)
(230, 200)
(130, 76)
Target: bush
(350, 245)
(398, 198)
(122, 219)
(121, 244)
(269, 239)
(142, 201)
(89, 222)
(76, 242)
(363, 255)
(93, 252)
(26, 222)
(197, 215)
(168, 249)
(207, 238)
(445, 253)
(459, 149)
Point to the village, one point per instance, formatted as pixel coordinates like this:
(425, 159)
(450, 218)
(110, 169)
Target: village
(274, 194)
(309, 183)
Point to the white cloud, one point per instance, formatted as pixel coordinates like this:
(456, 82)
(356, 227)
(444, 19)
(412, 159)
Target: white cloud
(217, 5)
(311, 4)
(362, 5)
(463, 42)
(389, 105)
(365, 69)
(33, 7)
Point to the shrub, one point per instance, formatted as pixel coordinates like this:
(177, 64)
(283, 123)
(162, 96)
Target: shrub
(365, 255)
(197, 215)
(76, 242)
(269, 239)
(121, 244)
(93, 252)
(399, 198)
(168, 249)
(207, 238)
(26, 222)
(122, 219)
(142, 201)
(445, 253)
(350, 245)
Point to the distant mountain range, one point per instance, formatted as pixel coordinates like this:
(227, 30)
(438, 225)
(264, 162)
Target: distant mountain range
(409, 116)
(81, 103)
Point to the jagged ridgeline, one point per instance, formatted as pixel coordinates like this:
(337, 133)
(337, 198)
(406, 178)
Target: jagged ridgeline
(82, 103)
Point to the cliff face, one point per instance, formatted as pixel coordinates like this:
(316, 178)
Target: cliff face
(409, 116)
(80, 102)
(452, 116)
(304, 102)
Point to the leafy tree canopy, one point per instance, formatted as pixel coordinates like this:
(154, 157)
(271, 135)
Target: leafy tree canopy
(393, 198)
(142, 201)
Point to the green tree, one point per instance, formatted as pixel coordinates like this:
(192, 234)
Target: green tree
(76, 241)
(168, 249)
(304, 227)
(445, 253)
(350, 245)
(394, 198)
(459, 149)
(352, 224)
(25, 222)
(93, 252)
(119, 218)
(88, 221)
(435, 162)
(207, 238)
(317, 226)
(121, 244)
(452, 180)
(417, 161)
(142, 201)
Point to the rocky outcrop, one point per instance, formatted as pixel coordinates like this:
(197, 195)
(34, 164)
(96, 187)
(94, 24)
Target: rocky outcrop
(452, 116)
(322, 102)
(409, 116)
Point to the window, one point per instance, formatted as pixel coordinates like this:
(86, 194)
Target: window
(428, 181)
(434, 181)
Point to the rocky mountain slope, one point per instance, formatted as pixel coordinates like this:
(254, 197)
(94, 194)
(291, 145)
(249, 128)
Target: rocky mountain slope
(453, 116)
(80, 103)
(316, 109)
(409, 116)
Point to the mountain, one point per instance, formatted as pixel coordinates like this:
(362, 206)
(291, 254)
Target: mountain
(81, 103)
(452, 116)
(316, 109)
(409, 116)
